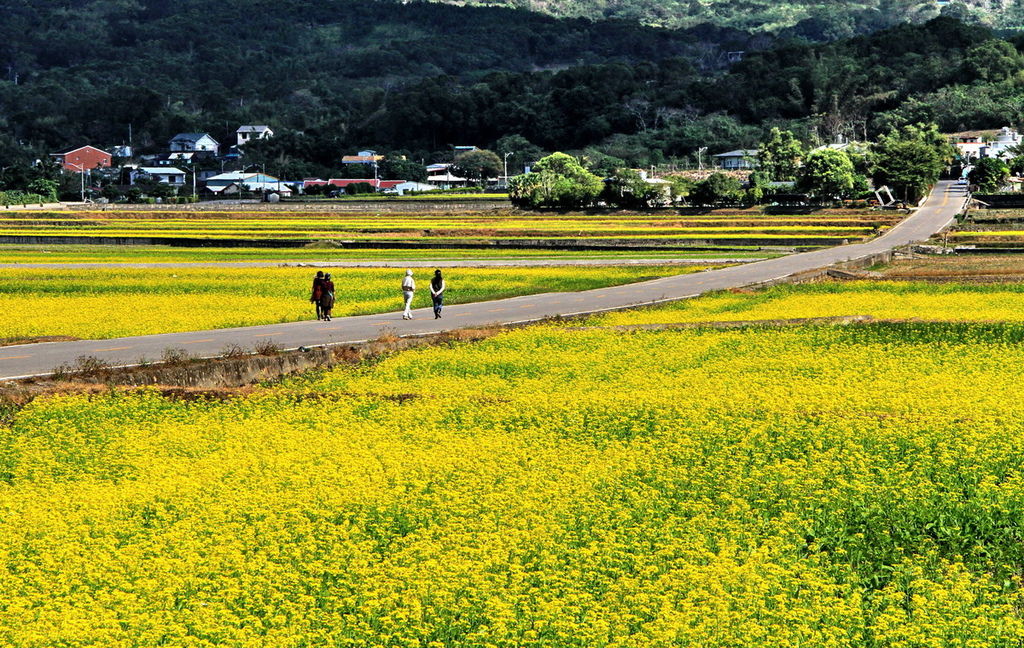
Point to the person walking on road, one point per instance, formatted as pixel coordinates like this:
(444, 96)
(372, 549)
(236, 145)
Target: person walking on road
(408, 290)
(437, 293)
(318, 291)
(327, 297)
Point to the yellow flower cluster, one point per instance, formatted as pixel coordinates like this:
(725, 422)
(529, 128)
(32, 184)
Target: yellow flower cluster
(829, 487)
(114, 302)
(879, 299)
(445, 226)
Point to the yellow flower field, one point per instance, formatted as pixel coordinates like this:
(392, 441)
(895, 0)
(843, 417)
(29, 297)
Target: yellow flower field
(112, 302)
(879, 299)
(847, 486)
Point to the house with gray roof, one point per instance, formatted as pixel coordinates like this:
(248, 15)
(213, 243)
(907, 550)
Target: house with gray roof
(194, 143)
(737, 160)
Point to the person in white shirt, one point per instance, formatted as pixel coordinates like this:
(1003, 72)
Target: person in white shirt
(437, 293)
(408, 289)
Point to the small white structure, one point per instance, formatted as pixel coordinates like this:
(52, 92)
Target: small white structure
(409, 186)
(739, 159)
(250, 132)
(194, 143)
(164, 175)
(447, 180)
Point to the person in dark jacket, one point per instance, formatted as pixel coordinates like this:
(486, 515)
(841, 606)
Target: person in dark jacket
(327, 297)
(318, 291)
(437, 293)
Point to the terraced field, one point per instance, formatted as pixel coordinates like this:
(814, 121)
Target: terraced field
(663, 229)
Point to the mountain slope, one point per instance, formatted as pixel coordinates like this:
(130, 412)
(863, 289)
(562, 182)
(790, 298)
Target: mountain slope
(836, 18)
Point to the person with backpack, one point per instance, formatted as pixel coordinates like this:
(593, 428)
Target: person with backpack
(408, 290)
(437, 293)
(318, 292)
(327, 297)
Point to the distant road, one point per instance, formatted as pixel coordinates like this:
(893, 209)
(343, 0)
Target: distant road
(945, 201)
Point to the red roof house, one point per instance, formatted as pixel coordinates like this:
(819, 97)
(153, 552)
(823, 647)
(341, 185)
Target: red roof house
(83, 158)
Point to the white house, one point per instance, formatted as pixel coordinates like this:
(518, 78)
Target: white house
(164, 175)
(229, 183)
(1006, 139)
(736, 160)
(410, 186)
(251, 132)
(194, 143)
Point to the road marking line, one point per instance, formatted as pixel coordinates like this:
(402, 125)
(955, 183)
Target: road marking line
(526, 306)
(463, 314)
(495, 310)
(114, 349)
(15, 357)
(265, 335)
(198, 341)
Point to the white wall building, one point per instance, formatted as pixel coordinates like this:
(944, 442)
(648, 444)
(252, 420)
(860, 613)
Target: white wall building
(164, 175)
(251, 132)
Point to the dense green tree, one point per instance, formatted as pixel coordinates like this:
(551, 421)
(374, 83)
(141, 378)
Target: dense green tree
(45, 188)
(911, 159)
(992, 60)
(717, 189)
(521, 152)
(780, 155)
(399, 167)
(827, 174)
(628, 189)
(989, 174)
(1017, 165)
(479, 166)
(558, 180)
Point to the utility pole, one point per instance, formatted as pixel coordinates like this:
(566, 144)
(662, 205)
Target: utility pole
(81, 176)
(506, 168)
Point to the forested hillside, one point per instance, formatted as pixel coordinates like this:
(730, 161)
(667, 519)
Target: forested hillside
(832, 19)
(336, 75)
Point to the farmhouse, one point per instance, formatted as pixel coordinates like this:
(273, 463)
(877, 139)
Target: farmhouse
(736, 160)
(230, 183)
(163, 175)
(247, 133)
(83, 158)
(194, 143)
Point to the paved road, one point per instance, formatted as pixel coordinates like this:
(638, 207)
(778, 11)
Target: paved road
(39, 359)
(438, 263)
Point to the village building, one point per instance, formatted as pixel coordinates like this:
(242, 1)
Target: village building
(235, 181)
(363, 157)
(194, 143)
(740, 159)
(247, 133)
(974, 145)
(162, 174)
(82, 159)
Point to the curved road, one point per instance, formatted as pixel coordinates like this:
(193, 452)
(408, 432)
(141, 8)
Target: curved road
(21, 361)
